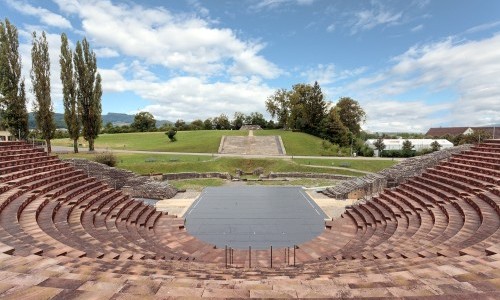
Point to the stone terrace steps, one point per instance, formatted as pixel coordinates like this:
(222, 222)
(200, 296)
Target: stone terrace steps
(65, 234)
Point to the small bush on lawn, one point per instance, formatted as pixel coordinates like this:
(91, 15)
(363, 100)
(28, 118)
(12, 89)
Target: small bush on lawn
(107, 158)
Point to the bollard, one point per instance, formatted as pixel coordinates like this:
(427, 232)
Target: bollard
(249, 257)
(294, 247)
(271, 256)
(225, 255)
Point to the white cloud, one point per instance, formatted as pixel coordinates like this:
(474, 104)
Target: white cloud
(271, 4)
(369, 19)
(46, 16)
(189, 97)
(180, 42)
(330, 28)
(483, 27)
(417, 28)
(106, 52)
(467, 69)
(327, 74)
(402, 116)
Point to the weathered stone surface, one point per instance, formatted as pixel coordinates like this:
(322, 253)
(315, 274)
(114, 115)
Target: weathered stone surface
(195, 175)
(372, 184)
(129, 182)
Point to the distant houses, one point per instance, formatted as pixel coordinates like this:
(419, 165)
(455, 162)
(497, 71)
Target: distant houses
(5, 136)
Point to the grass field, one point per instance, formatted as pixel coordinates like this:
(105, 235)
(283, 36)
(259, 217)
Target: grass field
(355, 164)
(200, 141)
(196, 184)
(296, 143)
(146, 164)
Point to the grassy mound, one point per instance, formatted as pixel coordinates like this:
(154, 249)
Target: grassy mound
(202, 141)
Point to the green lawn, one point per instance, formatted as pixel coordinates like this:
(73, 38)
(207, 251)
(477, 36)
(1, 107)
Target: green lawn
(355, 164)
(200, 141)
(145, 164)
(297, 143)
(196, 184)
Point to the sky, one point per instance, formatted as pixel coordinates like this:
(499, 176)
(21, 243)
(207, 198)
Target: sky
(411, 64)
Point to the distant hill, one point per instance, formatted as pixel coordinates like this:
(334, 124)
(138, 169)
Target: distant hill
(115, 118)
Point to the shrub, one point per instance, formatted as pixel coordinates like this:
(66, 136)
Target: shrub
(171, 134)
(366, 151)
(106, 158)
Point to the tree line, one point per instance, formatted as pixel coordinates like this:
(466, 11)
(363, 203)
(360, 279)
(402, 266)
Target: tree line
(146, 122)
(82, 88)
(304, 108)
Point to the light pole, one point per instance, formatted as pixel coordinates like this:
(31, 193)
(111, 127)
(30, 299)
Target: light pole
(351, 143)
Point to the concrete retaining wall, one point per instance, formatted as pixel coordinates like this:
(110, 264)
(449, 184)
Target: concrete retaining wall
(194, 175)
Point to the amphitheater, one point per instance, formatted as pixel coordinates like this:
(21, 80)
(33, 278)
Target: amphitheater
(66, 235)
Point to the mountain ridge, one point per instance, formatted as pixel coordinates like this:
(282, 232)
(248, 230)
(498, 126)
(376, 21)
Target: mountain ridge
(117, 119)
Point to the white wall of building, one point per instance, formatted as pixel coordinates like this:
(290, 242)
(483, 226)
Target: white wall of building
(5, 136)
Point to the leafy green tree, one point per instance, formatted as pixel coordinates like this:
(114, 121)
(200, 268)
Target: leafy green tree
(333, 130)
(256, 118)
(180, 124)
(307, 108)
(13, 112)
(222, 122)
(171, 134)
(351, 114)
(435, 146)
(379, 145)
(208, 124)
(196, 124)
(407, 148)
(278, 106)
(40, 78)
(144, 122)
(89, 91)
(476, 137)
(71, 112)
(238, 120)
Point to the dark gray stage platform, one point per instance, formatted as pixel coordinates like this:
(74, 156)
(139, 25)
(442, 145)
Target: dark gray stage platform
(254, 216)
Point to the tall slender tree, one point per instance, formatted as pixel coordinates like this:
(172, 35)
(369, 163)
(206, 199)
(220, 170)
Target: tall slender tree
(71, 113)
(89, 91)
(40, 79)
(13, 112)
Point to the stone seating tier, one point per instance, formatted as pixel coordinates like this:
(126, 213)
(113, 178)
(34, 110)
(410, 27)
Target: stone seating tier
(65, 234)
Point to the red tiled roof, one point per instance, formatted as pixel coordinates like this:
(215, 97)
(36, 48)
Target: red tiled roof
(441, 131)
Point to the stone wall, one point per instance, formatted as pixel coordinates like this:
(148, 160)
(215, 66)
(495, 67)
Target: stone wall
(372, 184)
(194, 175)
(127, 181)
(308, 175)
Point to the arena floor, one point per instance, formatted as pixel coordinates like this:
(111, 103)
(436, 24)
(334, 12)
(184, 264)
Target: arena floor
(255, 216)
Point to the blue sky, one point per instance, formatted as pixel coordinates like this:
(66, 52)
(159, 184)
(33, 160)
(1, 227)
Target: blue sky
(411, 64)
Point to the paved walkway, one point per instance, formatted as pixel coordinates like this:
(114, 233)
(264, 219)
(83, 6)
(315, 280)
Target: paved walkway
(62, 149)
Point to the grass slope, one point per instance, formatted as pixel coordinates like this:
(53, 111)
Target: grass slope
(296, 143)
(201, 141)
(374, 165)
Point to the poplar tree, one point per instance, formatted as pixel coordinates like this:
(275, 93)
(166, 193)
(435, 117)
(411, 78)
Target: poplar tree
(89, 91)
(40, 78)
(13, 112)
(71, 113)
